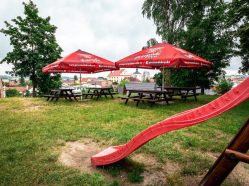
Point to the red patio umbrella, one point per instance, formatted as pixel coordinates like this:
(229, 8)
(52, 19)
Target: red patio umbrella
(80, 62)
(163, 55)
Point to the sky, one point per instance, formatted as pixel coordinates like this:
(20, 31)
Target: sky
(111, 29)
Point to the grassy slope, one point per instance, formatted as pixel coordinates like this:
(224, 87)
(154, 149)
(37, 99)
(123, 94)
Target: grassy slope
(32, 128)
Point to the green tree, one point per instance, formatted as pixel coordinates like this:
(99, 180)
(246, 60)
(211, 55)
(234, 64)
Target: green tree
(169, 17)
(34, 46)
(12, 93)
(22, 81)
(47, 82)
(158, 78)
(75, 78)
(239, 18)
(151, 42)
(197, 26)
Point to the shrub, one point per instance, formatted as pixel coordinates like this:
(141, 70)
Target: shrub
(27, 93)
(224, 86)
(123, 82)
(12, 93)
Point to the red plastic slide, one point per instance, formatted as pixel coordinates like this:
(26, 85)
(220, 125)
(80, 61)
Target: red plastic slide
(178, 121)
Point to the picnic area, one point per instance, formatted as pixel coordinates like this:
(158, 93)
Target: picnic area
(36, 134)
(124, 93)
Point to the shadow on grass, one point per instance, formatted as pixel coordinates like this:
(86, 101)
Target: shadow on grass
(131, 169)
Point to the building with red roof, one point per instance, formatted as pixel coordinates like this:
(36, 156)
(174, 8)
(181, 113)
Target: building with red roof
(118, 75)
(21, 90)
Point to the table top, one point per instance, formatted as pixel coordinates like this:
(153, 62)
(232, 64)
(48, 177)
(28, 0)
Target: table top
(100, 88)
(66, 89)
(148, 91)
(182, 88)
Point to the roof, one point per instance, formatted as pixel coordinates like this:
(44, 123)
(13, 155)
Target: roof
(117, 73)
(88, 79)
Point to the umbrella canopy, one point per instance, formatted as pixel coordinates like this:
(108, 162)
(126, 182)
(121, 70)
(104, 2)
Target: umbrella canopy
(163, 55)
(80, 62)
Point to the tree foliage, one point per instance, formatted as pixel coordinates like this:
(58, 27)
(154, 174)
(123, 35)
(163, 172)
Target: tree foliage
(34, 46)
(169, 16)
(239, 18)
(22, 81)
(197, 26)
(151, 42)
(12, 93)
(223, 86)
(75, 77)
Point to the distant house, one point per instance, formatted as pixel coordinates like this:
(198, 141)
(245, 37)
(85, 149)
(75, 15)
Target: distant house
(13, 83)
(118, 75)
(236, 79)
(89, 80)
(96, 81)
(146, 75)
(137, 75)
(68, 82)
(21, 90)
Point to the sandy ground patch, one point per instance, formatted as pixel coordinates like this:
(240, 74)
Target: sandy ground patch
(77, 155)
(3, 107)
(240, 174)
(33, 108)
(155, 173)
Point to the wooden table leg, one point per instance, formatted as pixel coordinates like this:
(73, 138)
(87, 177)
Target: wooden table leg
(165, 98)
(67, 95)
(194, 91)
(152, 98)
(102, 92)
(109, 91)
(140, 97)
(98, 94)
(72, 94)
(87, 95)
(129, 95)
(56, 95)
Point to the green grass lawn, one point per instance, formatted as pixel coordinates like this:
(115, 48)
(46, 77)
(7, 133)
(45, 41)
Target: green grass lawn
(32, 128)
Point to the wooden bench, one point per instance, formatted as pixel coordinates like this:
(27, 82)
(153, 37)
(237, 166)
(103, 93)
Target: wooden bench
(151, 101)
(183, 92)
(140, 86)
(184, 96)
(88, 94)
(126, 98)
(66, 93)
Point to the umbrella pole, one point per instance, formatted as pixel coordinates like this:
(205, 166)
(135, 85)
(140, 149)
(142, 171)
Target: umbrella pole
(163, 79)
(80, 82)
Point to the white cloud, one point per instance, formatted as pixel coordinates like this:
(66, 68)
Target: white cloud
(111, 29)
(5, 67)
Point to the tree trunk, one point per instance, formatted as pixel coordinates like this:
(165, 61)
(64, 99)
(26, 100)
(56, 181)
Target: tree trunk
(202, 90)
(34, 83)
(34, 88)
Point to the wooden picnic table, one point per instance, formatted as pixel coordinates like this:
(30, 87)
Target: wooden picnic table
(66, 93)
(98, 92)
(184, 92)
(151, 96)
